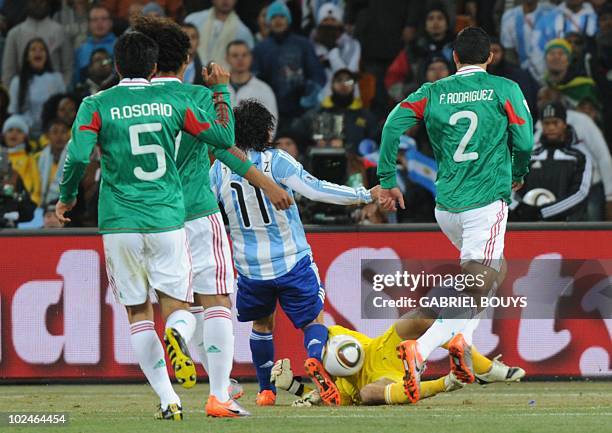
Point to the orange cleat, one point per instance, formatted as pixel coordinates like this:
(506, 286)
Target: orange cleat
(325, 385)
(460, 354)
(229, 409)
(266, 398)
(409, 354)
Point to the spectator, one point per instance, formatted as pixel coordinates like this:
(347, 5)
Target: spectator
(285, 142)
(525, 30)
(121, 8)
(99, 69)
(559, 76)
(438, 36)
(335, 48)
(152, 9)
(243, 85)
(262, 26)
(435, 69)
(600, 197)
(501, 67)
(218, 26)
(576, 16)
(582, 56)
(73, 18)
(15, 203)
(62, 106)
(602, 67)
(51, 159)
(35, 83)
(4, 104)
(249, 12)
(100, 36)
(37, 25)
(15, 137)
(193, 72)
(311, 10)
(287, 62)
(340, 121)
(559, 179)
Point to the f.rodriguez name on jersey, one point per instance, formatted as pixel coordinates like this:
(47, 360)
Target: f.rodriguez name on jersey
(462, 97)
(140, 110)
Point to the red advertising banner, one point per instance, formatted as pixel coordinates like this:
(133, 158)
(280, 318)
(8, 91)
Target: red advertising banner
(59, 319)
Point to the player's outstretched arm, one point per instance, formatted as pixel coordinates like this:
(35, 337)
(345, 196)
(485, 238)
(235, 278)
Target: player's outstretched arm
(520, 134)
(218, 129)
(84, 137)
(404, 116)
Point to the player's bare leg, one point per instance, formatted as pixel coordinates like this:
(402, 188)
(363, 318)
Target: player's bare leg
(150, 354)
(262, 351)
(314, 368)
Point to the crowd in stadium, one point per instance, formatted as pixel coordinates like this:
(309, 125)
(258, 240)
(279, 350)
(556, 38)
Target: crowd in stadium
(330, 71)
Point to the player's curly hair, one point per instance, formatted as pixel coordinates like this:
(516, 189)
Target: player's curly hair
(173, 42)
(254, 126)
(135, 55)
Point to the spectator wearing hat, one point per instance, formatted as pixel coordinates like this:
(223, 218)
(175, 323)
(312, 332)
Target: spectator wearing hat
(15, 137)
(243, 85)
(340, 120)
(37, 25)
(100, 36)
(334, 47)
(525, 30)
(288, 63)
(218, 26)
(560, 76)
(559, 179)
(501, 67)
(590, 136)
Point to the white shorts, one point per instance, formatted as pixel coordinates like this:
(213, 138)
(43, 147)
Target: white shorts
(213, 268)
(139, 262)
(477, 233)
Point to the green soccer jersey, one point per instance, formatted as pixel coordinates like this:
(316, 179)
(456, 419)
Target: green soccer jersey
(192, 157)
(136, 126)
(481, 132)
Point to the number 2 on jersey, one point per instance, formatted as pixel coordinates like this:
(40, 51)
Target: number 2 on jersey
(460, 155)
(145, 149)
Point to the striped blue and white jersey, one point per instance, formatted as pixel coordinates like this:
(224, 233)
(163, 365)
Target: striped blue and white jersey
(267, 243)
(528, 35)
(584, 21)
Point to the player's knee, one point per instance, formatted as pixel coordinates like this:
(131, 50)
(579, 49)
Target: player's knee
(371, 394)
(265, 324)
(208, 301)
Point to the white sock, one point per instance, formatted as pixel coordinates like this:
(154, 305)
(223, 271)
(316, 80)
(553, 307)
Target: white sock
(219, 347)
(439, 333)
(183, 322)
(198, 335)
(468, 330)
(150, 354)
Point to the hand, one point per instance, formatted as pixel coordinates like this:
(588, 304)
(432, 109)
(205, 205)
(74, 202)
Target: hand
(517, 185)
(218, 75)
(282, 375)
(375, 192)
(388, 199)
(310, 399)
(278, 196)
(61, 208)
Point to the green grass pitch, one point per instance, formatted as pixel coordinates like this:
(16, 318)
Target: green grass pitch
(530, 407)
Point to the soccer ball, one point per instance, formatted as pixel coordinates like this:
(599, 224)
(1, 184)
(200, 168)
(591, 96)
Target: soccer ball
(343, 356)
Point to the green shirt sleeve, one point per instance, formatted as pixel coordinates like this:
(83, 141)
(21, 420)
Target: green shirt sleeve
(520, 132)
(234, 158)
(403, 117)
(84, 137)
(216, 130)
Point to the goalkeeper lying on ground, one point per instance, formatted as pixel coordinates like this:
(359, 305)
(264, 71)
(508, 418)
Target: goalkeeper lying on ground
(367, 370)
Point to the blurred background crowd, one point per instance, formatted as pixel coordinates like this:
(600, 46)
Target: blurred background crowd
(330, 71)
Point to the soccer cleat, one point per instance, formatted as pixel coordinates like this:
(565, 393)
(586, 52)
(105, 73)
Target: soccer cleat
(266, 398)
(184, 368)
(460, 354)
(408, 353)
(325, 385)
(500, 372)
(174, 412)
(235, 390)
(229, 409)
(451, 383)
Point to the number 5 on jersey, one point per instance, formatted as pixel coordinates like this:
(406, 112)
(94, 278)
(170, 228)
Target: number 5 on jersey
(145, 149)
